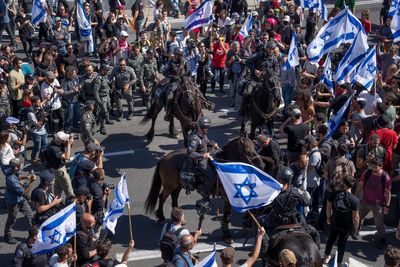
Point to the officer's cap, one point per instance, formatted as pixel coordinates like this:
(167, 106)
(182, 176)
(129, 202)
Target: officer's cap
(46, 177)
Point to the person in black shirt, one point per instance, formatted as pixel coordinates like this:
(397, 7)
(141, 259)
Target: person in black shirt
(99, 190)
(138, 16)
(342, 215)
(83, 199)
(103, 249)
(84, 174)
(23, 255)
(85, 241)
(270, 153)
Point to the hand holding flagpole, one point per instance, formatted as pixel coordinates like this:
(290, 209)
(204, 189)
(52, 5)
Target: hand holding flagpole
(130, 221)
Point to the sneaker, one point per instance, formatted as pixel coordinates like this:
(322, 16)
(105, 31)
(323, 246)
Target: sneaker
(327, 259)
(119, 119)
(109, 122)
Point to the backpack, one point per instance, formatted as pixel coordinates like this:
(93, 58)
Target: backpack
(341, 202)
(169, 242)
(322, 164)
(341, 169)
(73, 168)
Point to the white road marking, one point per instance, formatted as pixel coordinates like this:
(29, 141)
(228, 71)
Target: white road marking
(119, 153)
(137, 255)
(356, 263)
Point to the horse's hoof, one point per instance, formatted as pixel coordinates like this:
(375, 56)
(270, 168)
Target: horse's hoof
(174, 135)
(227, 238)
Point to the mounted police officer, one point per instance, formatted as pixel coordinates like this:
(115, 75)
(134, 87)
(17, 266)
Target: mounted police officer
(102, 87)
(174, 70)
(149, 76)
(88, 124)
(199, 148)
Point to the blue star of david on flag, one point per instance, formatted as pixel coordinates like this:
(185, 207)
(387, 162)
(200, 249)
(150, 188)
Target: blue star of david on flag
(326, 36)
(55, 237)
(371, 68)
(200, 13)
(248, 186)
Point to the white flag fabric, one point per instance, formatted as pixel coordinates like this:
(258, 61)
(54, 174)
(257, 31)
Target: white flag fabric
(244, 31)
(393, 7)
(293, 55)
(334, 121)
(352, 58)
(39, 13)
(56, 230)
(326, 77)
(209, 261)
(395, 24)
(116, 209)
(202, 16)
(317, 6)
(85, 30)
(246, 186)
(343, 28)
(152, 4)
(366, 72)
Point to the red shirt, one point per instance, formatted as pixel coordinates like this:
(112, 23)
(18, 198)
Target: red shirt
(367, 25)
(388, 139)
(219, 55)
(374, 193)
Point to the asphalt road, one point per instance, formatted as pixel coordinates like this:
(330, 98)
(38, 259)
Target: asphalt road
(137, 160)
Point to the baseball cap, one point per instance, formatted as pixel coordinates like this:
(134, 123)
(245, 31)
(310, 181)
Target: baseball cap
(46, 177)
(91, 147)
(15, 162)
(254, 13)
(383, 121)
(12, 120)
(62, 136)
(309, 139)
(124, 33)
(50, 75)
(83, 190)
(228, 253)
(296, 112)
(86, 165)
(57, 19)
(286, 18)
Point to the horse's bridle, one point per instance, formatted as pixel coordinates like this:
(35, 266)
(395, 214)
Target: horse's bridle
(265, 116)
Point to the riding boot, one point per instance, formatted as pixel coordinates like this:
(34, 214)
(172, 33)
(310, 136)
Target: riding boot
(102, 128)
(168, 107)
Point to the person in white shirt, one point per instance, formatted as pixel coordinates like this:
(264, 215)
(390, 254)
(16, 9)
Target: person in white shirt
(371, 98)
(63, 257)
(6, 151)
(51, 91)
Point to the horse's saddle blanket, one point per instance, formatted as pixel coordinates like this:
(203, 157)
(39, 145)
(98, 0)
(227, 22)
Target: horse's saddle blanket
(190, 175)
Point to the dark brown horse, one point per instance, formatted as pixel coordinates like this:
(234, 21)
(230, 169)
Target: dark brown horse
(187, 107)
(166, 176)
(302, 245)
(262, 106)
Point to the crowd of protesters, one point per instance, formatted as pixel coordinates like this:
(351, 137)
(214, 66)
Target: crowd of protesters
(58, 88)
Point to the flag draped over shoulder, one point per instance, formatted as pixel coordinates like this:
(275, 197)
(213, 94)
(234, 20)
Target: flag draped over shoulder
(366, 72)
(246, 186)
(352, 58)
(343, 28)
(209, 261)
(116, 209)
(39, 13)
(202, 16)
(293, 55)
(56, 230)
(85, 30)
(244, 31)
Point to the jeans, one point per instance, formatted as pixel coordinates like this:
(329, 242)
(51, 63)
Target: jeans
(6, 26)
(234, 90)
(13, 209)
(221, 72)
(72, 115)
(39, 145)
(342, 237)
(287, 94)
(138, 28)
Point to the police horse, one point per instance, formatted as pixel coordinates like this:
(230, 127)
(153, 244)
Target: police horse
(167, 176)
(260, 103)
(187, 106)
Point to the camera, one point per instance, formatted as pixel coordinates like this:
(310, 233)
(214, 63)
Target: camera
(100, 150)
(109, 186)
(202, 207)
(237, 58)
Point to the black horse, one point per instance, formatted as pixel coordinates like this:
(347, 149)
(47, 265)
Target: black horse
(302, 245)
(262, 105)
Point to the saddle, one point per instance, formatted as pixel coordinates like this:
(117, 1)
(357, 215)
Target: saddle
(286, 231)
(190, 175)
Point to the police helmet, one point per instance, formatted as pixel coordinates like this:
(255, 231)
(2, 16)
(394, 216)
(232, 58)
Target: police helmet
(178, 51)
(204, 123)
(285, 175)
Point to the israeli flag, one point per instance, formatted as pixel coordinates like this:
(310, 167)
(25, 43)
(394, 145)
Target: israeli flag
(395, 24)
(316, 6)
(343, 28)
(393, 7)
(56, 230)
(152, 4)
(244, 31)
(246, 186)
(39, 13)
(352, 58)
(117, 206)
(366, 72)
(200, 17)
(209, 261)
(293, 55)
(326, 77)
(85, 30)
(334, 121)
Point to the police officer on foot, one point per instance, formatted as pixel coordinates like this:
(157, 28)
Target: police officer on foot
(23, 255)
(102, 87)
(149, 77)
(88, 124)
(198, 148)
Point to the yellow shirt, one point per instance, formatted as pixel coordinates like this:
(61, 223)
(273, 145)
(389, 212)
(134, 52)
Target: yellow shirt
(16, 77)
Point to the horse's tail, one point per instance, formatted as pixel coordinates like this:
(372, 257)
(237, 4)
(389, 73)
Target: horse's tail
(150, 113)
(152, 197)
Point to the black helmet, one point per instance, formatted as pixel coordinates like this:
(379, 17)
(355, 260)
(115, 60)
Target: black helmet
(285, 175)
(178, 51)
(204, 123)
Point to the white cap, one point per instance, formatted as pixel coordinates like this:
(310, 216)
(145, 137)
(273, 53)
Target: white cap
(286, 18)
(12, 120)
(124, 33)
(254, 13)
(62, 136)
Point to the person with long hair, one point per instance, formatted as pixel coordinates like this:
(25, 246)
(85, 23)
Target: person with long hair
(6, 151)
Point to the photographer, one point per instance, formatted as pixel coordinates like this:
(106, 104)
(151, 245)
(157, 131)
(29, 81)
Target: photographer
(70, 98)
(46, 204)
(366, 153)
(18, 137)
(235, 64)
(58, 152)
(37, 121)
(92, 153)
(83, 199)
(16, 191)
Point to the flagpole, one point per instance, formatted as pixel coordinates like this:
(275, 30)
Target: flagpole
(130, 222)
(75, 249)
(254, 219)
(216, 196)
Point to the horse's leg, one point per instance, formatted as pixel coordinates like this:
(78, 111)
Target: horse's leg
(150, 133)
(252, 134)
(160, 211)
(172, 131)
(175, 196)
(226, 234)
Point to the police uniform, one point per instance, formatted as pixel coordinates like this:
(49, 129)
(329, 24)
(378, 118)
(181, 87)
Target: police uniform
(197, 146)
(122, 78)
(102, 87)
(5, 108)
(23, 256)
(136, 63)
(88, 90)
(149, 76)
(88, 127)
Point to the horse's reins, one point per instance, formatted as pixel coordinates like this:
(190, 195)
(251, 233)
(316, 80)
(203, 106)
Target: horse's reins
(262, 113)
